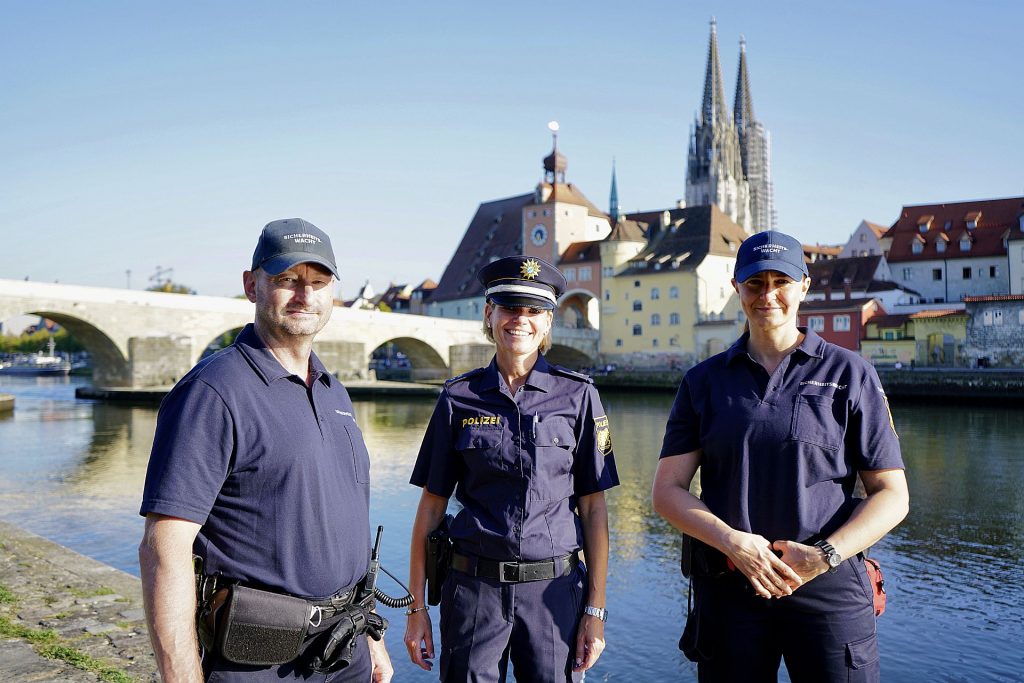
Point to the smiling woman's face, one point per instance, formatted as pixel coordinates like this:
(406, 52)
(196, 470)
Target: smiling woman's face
(517, 330)
(771, 299)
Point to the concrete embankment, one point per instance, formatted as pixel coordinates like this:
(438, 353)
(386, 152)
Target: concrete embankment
(6, 404)
(65, 617)
(151, 395)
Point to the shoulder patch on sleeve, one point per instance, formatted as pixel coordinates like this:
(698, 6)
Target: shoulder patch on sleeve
(566, 372)
(464, 376)
(603, 435)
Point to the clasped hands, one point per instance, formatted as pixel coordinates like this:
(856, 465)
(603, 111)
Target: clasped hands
(776, 569)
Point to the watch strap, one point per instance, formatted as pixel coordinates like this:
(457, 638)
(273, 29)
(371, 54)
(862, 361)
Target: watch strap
(832, 558)
(599, 612)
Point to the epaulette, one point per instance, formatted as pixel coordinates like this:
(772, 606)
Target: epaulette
(566, 372)
(464, 376)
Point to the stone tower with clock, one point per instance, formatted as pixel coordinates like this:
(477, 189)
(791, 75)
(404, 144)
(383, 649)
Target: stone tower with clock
(560, 215)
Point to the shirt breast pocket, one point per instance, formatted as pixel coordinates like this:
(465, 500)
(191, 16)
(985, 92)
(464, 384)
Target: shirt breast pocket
(360, 456)
(816, 427)
(481, 450)
(555, 445)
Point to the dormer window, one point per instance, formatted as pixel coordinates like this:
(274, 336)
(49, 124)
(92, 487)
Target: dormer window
(947, 226)
(924, 222)
(917, 248)
(1020, 222)
(940, 246)
(972, 219)
(965, 243)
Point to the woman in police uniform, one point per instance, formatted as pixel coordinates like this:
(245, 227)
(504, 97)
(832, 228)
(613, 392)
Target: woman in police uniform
(526, 450)
(781, 425)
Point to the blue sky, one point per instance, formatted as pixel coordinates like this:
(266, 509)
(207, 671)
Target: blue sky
(135, 135)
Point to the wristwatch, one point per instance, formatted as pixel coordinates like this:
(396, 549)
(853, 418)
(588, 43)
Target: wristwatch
(832, 558)
(599, 612)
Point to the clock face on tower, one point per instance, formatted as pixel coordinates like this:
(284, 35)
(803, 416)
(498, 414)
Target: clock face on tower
(539, 235)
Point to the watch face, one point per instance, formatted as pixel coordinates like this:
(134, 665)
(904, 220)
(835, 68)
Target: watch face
(834, 560)
(539, 235)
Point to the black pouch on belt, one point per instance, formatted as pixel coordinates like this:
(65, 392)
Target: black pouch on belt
(261, 628)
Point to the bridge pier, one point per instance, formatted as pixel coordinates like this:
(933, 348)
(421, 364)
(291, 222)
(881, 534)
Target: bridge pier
(155, 361)
(345, 360)
(465, 357)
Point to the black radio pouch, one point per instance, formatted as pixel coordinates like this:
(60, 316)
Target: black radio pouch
(260, 628)
(439, 559)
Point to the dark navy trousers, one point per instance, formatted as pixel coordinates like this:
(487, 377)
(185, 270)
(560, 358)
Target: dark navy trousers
(825, 631)
(486, 624)
(218, 670)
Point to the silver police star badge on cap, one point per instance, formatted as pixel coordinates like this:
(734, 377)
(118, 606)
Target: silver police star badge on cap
(530, 269)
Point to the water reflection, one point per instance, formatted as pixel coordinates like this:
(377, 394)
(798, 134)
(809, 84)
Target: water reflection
(73, 471)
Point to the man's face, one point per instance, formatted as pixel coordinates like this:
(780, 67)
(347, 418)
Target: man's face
(295, 303)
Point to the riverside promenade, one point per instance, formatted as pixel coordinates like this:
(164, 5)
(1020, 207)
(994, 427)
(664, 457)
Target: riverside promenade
(65, 617)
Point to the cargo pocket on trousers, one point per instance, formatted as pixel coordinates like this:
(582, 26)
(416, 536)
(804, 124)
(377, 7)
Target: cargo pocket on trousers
(861, 654)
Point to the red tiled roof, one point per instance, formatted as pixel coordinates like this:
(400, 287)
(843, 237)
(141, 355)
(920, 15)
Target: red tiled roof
(692, 233)
(494, 232)
(859, 270)
(944, 313)
(893, 320)
(581, 251)
(836, 305)
(568, 193)
(996, 215)
(994, 297)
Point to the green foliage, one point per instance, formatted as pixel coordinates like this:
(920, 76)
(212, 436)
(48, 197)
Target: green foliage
(39, 341)
(169, 287)
(6, 596)
(48, 644)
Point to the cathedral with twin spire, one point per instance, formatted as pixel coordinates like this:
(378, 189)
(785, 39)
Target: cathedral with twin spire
(729, 161)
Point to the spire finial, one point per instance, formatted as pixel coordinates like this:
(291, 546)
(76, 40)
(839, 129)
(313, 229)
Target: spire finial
(714, 25)
(743, 43)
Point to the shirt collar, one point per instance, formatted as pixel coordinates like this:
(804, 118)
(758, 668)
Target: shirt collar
(812, 345)
(266, 365)
(539, 377)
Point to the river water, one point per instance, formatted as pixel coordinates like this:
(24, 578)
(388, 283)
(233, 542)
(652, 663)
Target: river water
(72, 471)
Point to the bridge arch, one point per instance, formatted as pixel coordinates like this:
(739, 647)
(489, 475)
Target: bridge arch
(425, 363)
(579, 309)
(109, 361)
(567, 356)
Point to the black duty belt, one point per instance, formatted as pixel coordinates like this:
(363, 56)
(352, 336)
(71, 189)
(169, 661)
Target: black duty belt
(515, 572)
(333, 605)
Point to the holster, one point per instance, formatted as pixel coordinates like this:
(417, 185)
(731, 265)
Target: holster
(439, 559)
(335, 649)
(261, 628)
(701, 560)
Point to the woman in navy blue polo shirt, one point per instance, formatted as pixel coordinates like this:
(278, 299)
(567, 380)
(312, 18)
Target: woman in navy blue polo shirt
(781, 424)
(525, 448)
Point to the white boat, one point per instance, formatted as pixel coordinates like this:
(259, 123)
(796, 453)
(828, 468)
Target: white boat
(37, 364)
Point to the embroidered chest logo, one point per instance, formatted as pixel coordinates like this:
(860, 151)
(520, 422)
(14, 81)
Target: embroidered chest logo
(481, 420)
(815, 383)
(342, 412)
(603, 434)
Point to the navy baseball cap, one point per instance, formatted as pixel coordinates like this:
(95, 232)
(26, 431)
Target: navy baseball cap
(522, 281)
(291, 241)
(770, 250)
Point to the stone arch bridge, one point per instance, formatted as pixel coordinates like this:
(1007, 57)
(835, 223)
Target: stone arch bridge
(149, 339)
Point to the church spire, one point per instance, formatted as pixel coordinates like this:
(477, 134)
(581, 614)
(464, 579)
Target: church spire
(743, 105)
(713, 107)
(613, 199)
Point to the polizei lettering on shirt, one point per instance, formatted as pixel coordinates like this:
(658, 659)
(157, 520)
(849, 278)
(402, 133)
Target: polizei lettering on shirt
(481, 420)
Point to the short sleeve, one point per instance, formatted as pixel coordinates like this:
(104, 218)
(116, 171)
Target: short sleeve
(193, 448)
(594, 464)
(682, 433)
(872, 442)
(438, 467)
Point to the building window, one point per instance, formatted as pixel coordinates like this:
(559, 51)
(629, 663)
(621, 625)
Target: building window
(638, 330)
(570, 274)
(673, 318)
(863, 237)
(655, 318)
(997, 316)
(940, 246)
(547, 212)
(654, 343)
(655, 293)
(841, 323)
(965, 244)
(607, 271)
(673, 341)
(967, 274)
(986, 318)
(917, 247)
(1020, 317)
(936, 273)
(816, 322)
(618, 342)
(638, 305)
(636, 283)
(889, 335)
(908, 274)
(673, 292)
(607, 295)
(585, 273)
(993, 271)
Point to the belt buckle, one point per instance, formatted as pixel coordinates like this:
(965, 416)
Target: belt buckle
(508, 572)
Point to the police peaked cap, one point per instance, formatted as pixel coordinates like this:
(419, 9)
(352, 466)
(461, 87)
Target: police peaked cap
(522, 281)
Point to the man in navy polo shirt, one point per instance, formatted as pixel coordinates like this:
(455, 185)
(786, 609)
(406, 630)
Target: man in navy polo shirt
(782, 425)
(258, 468)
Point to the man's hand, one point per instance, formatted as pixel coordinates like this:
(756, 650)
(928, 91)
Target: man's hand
(754, 557)
(382, 669)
